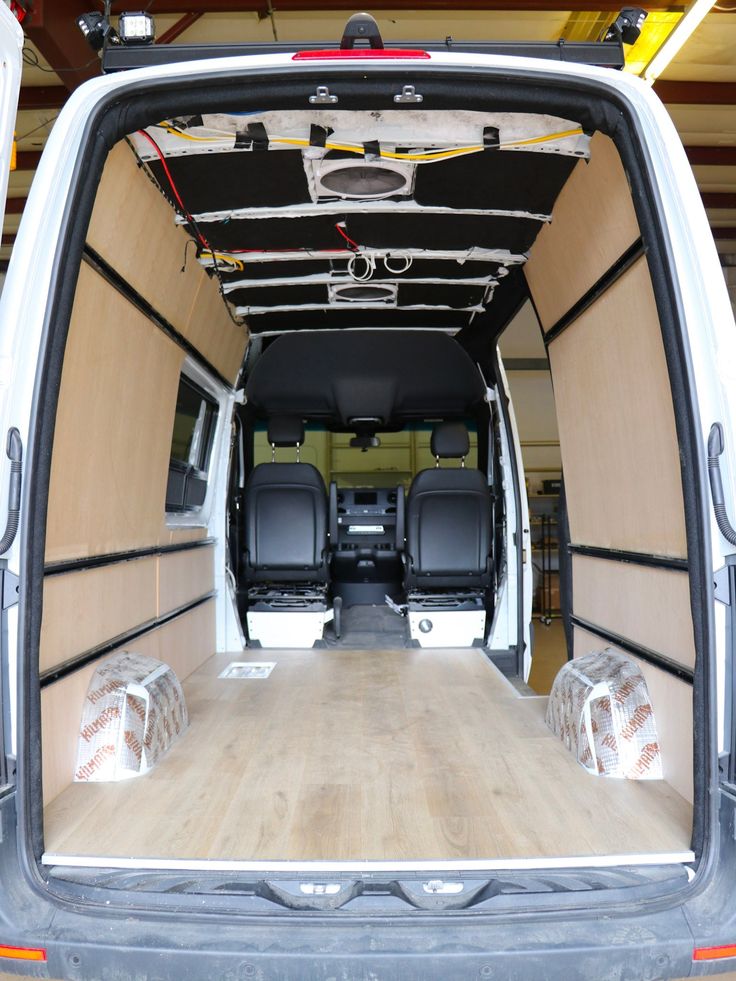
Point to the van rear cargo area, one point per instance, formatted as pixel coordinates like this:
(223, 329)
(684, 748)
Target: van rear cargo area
(255, 473)
(351, 755)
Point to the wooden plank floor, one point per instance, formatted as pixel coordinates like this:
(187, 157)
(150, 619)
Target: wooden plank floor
(354, 755)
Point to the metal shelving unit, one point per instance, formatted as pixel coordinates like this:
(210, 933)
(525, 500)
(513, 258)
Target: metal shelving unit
(545, 555)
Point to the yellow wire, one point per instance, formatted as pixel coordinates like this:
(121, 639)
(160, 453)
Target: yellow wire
(545, 139)
(188, 136)
(360, 150)
(426, 157)
(222, 257)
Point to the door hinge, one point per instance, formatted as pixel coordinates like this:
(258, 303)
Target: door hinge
(722, 585)
(10, 588)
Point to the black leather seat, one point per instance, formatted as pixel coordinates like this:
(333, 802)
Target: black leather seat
(448, 519)
(286, 515)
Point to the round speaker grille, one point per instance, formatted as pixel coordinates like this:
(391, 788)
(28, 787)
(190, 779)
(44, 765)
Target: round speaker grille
(359, 292)
(360, 182)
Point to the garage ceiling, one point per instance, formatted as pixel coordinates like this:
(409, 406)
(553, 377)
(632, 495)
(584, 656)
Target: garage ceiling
(698, 87)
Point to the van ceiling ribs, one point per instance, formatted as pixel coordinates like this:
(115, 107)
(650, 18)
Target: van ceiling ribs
(427, 212)
(347, 306)
(353, 208)
(472, 255)
(344, 280)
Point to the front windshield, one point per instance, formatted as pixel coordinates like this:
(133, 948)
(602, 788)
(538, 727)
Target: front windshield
(396, 461)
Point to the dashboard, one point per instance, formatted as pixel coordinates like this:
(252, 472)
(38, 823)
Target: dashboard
(366, 517)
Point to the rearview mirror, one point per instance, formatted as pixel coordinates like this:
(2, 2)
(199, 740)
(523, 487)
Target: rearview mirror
(363, 442)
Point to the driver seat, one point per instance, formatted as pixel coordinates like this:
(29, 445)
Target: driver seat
(286, 514)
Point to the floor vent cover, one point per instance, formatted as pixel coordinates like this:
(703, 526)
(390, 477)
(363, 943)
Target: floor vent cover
(248, 669)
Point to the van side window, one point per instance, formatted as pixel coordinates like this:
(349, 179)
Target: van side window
(191, 443)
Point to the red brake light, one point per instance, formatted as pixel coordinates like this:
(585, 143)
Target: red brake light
(714, 953)
(361, 53)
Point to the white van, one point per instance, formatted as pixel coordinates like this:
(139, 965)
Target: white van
(266, 620)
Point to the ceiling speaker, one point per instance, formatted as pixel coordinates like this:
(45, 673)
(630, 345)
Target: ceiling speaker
(361, 180)
(364, 293)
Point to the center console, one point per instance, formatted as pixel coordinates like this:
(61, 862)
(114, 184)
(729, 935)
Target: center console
(367, 539)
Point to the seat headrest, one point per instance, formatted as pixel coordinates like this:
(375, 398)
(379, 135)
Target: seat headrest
(285, 431)
(450, 439)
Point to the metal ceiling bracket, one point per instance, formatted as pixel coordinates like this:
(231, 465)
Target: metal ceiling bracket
(408, 94)
(322, 97)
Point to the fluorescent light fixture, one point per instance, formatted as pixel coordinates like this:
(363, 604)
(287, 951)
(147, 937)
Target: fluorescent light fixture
(688, 23)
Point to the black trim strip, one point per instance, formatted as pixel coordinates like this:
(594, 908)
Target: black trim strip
(95, 653)
(97, 561)
(608, 54)
(609, 277)
(658, 660)
(95, 260)
(635, 558)
(526, 364)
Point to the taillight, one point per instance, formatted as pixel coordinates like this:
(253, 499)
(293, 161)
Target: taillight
(360, 53)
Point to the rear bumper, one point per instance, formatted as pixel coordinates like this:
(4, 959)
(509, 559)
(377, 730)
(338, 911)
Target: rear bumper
(144, 929)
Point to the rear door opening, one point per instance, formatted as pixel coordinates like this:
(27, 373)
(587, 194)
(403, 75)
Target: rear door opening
(395, 730)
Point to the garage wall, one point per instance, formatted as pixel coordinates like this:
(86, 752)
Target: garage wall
(590, 283)
(114, 568)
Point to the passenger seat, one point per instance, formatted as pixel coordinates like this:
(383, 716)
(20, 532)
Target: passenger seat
(448, 519)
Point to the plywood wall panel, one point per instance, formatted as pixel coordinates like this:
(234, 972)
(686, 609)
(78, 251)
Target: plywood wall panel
(184, 576)
(61, 714)
(113, 430)
(672, 702)
(188, 641)
(646, 605)
(223, 342)
(618, 440)
(177, 536)
(84, 609)
(593, 224)
(133, 229)
(184, 644)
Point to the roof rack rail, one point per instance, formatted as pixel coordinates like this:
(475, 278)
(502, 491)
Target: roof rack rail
(362, 39)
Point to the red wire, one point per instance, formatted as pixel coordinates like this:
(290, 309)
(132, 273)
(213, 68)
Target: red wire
(187, 215)
(351, 243)
(287, 251)
(354, 247)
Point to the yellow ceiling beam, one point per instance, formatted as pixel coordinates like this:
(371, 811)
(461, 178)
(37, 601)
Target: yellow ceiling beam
(585, 26)
(656, 29)
(663, 35)
(694, 14)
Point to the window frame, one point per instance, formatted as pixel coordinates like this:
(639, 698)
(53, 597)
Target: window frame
(188, 480)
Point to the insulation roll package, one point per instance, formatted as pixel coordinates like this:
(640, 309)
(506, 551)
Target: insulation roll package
(600, 708)
(133, 712)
